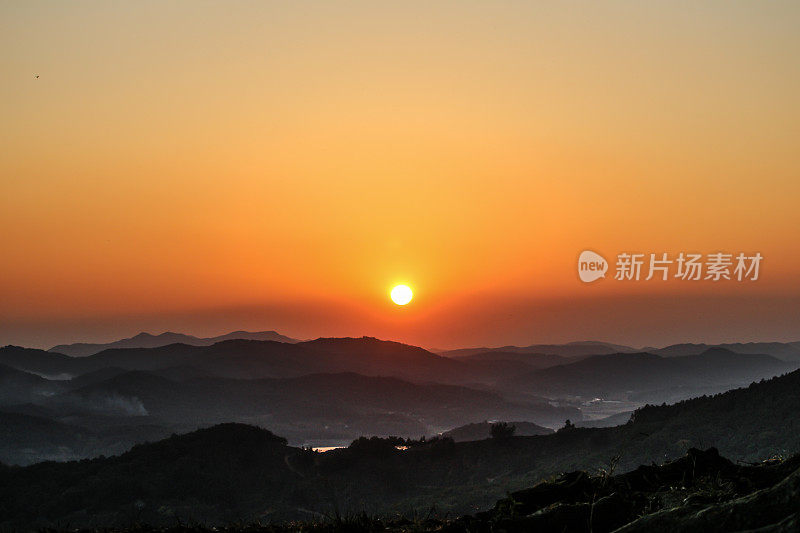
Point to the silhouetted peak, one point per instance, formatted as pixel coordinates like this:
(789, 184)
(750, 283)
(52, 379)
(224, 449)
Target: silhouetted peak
(355, 342)
(717, 351)
(166, 335)
(230, 439)
(230, 343)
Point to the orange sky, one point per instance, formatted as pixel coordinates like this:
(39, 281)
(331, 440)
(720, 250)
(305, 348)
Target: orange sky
(224, 165)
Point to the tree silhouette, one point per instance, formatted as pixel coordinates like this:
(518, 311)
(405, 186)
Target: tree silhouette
(568, 425)
(502, 430)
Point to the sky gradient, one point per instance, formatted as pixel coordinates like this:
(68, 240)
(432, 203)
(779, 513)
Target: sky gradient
(209, 166)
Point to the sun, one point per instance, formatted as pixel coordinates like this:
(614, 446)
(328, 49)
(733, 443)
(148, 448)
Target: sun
(402, 294)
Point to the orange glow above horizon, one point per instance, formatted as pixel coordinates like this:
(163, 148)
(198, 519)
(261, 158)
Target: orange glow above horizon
(175, 158)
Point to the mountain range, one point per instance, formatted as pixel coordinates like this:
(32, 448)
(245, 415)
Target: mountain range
(146, 340)
(234, 472)
(105, 408)
(570, 349)
(241, 358)
(786, 351)
(328, 391)
(649, 377)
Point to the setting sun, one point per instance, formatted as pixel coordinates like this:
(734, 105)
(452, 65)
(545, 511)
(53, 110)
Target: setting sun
(402, 294)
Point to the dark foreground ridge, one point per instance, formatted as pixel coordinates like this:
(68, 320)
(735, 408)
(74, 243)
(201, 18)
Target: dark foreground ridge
(698, 492)
(701, 491)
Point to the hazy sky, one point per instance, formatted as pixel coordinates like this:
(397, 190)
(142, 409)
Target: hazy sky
(207, 166)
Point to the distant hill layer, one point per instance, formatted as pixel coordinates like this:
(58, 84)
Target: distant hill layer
(636, 377)
(533, 360)
(17, 386)
(365, 404)
(312, 409)
(571, 349)
(483, 430)
(648, 376)
(248, 359)
(786, 351)
(146, 340)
